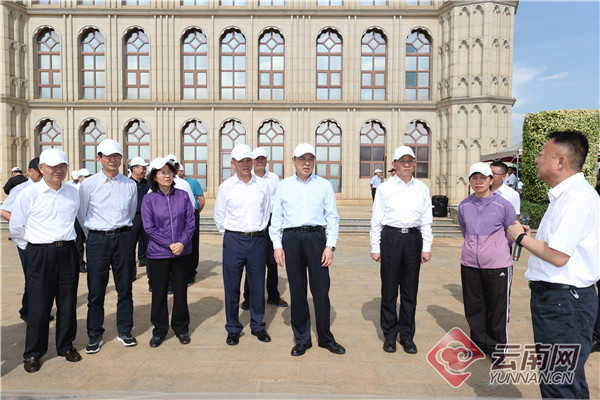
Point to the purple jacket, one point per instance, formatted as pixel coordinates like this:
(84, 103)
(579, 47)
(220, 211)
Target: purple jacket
(168, 219)
(483, 223)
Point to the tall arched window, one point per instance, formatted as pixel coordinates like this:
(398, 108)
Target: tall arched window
(137, 65)
(372, 148)
(92, 133)
(329, 66)
(329, 153)
(271, 66)
(270, 137)
(93, 66)
(194, 65)
(232, 133)
(194, 137)
(49, 135)
(418, 67)
(48, 64)
(373, 66)
(233, 66)
(137, 140)
(416, 136)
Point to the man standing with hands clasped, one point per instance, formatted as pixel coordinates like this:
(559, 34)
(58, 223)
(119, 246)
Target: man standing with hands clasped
(565, 260)
(401, 241)
(304, 210)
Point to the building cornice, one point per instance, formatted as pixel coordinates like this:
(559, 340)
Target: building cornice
(508, 101)
(448, 5)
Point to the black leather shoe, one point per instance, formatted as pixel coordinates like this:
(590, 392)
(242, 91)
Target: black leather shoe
(71, 355)
(300, 349)
(263, 336)
(408, 346)
(279, 303)
(233, 338)
(333, 347)
(595, 346)
(245, 305)
(31, 364)
(156, 341)
(389, 346)
(184, 338)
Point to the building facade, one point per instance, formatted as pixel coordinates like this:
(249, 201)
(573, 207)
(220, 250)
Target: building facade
(356, 78)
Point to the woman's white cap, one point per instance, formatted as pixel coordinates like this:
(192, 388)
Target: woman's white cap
(158, 163)
(482, 168)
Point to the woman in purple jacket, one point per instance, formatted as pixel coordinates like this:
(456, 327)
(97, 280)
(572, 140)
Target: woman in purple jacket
(168, 218)
(486, 266)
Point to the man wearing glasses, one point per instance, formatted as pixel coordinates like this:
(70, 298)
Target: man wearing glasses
(304, 231)
(401, 241)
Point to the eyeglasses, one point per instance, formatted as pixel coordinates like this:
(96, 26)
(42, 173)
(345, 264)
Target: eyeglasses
(304, 160)
(403, 161)
(165, 173)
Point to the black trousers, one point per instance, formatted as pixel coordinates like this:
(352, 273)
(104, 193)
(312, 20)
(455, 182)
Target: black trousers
(373, 190)
(52, 273)
(141, 240)
(597, 324)
(485, 298)
(175, 270)
(303, 252)
(195, 256)
(272, 274)
(24, 306)
(400, 267)
(79, 242)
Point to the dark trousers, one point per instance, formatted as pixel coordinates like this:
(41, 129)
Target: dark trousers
(272, 275)
(303, 253)
(400, 266)
(103, 252)
(141, 240)
(237, 252)
(24, 303)
(485, 298)
(373, 190)
(597, 325)
(195, 256)
(559, 318)
(52, 273)
(79, 242)
(173, 270)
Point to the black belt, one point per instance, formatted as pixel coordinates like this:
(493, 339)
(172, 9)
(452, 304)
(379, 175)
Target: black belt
(59, 243)
(306, 228)
(250, 234)
(541, 286)
(402, 230)
(113, 231)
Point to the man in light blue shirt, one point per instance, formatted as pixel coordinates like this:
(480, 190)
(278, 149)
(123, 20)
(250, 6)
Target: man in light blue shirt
(198, 206)
(304, 231)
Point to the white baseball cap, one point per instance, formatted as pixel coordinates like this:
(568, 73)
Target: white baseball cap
(84, 172)
(482, 168)
(75, 174)
(241, 151)
(304, 148)
(402, 151)
(16, 169)
(259, 152)
(158, 163)
(138, 161)
(377, 170)
(53, 157)
(173, 158)
(109, 146)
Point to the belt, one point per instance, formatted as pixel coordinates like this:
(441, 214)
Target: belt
(59, 243)
(306, 228)
(250, 234)
(541, 286)
(402, 230)
(112, 231)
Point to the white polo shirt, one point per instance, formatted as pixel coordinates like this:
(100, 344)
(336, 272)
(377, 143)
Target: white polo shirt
(512, 196)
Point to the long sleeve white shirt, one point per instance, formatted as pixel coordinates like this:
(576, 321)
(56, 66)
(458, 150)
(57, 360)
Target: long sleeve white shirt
(271, 180)
(10, 200)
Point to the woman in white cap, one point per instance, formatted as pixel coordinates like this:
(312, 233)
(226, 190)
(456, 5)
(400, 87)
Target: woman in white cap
(486, 266)
(168, 218)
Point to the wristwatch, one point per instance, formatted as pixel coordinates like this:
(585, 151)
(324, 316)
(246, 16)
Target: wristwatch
(332, 248)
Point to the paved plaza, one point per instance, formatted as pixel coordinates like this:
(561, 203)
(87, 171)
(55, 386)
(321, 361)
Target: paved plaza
(208, 368)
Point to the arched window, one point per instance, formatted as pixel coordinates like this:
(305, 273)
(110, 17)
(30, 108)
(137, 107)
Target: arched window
(194, 137)
(92, 133)
(137, 140)
(137, 65)
(93, 65)
(233, 66)
(329, 153)
(418, 68)
(195, 65)
(49, 135)
(232, 133)
(416, 136)
(270, 137)
(48, 64)
(271, 66)
(372, 148)
(373, 66)
(329, 66)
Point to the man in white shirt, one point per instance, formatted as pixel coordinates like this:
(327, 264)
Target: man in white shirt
(80, 241)
(181, 183)
(565, 260)
(499, 170)
(375, 182)
(108, 204)
(41, 223)
(511, 179)
(241, 215)
(74, 179)
(401, 241)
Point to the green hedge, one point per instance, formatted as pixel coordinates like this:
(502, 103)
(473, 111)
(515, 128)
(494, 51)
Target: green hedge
(536, 211)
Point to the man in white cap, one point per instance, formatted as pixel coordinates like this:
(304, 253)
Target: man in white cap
(401, 241)
(42, 223)
(259, 157)
(241, 215)
(180, 183)
(82, 174)
(16, 179)
(108, 204)
(375, 182)
(499, 169)
(74, 179)
(138, 175)
(303, 211)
